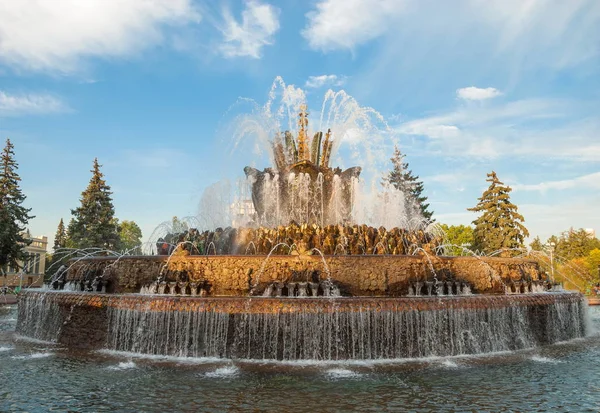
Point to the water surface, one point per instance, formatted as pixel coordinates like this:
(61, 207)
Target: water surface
(42, 377)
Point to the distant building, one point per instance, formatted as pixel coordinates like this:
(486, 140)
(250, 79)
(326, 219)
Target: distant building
(31, 272)
(591, 232)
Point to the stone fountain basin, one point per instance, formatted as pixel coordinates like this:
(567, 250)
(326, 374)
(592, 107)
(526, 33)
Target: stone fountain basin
(302, 328)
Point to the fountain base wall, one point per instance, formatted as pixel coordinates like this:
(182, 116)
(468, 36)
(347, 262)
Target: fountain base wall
(297, 329)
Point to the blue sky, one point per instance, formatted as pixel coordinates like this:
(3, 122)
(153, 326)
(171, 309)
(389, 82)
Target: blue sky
(148, 87)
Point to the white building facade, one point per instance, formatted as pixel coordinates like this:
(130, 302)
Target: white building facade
(31, 272)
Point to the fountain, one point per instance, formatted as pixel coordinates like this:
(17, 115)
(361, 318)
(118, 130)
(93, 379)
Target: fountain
(302, 187)
(318, 285)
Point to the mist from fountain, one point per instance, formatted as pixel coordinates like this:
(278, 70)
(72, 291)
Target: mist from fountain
(354, 132)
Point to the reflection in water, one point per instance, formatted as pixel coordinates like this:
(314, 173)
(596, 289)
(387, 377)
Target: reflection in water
(38, 377)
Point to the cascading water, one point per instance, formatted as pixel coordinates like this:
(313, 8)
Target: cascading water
(184, 334)
(338, 332)
(300, 153)
(40, 317)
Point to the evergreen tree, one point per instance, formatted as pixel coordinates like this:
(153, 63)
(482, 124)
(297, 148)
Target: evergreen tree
(61, 254)
(70, 229)
(60, 239)
(13, 216)
(93, 222)
(500, 225)
(401, 178)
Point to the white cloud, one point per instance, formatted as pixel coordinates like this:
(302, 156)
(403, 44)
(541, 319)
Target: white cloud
(315, 82)
(57, 35)
(532, 127)
(590, 181)
(514, 112)
(24, 104)
(561, 33)
(343, 24)
(434, 131)
(476, 93)
(260, 22)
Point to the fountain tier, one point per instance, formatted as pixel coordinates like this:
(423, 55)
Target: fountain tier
(301, 329)
(363, 275)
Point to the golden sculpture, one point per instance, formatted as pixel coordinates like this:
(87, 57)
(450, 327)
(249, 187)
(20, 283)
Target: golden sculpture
(302, 138)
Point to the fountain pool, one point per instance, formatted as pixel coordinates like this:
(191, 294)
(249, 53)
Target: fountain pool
(45, 376)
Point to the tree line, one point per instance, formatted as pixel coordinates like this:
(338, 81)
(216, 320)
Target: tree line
(573, 256)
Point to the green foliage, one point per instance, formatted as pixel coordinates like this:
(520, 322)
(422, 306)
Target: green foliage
(130, 236)
(573, 274)
(59, 256)
(499, 227)
(14, 217)
(536, 244)
(592, 261)
(459, 235)
(574, 244)
(93, 222)
(575, 258)
(60, 239)
(70, 229)
(401, 178)
(50, 270)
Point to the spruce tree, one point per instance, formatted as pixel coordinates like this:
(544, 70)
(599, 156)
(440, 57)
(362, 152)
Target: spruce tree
(60, 239)
(14, 217)
(500, 225)
(70, 231)
(401, 178)
(93, 222)
(60, 255)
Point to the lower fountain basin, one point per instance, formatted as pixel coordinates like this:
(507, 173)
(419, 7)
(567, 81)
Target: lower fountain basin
(302, 328)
